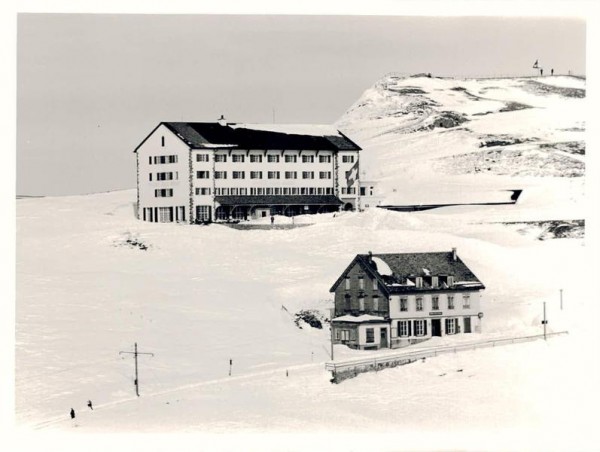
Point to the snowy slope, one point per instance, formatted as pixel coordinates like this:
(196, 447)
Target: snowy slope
(442, 140)
(92, 280)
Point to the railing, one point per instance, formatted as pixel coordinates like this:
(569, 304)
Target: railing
(381, 361)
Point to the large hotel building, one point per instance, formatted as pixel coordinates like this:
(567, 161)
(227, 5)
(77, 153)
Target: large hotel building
(198, 172)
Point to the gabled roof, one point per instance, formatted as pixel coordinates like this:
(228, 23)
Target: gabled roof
(411, 265)
(207, 135)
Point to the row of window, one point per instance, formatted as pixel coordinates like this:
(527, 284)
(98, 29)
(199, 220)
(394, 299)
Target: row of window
(270, 158)
(361, 283)
(435, 303)
(259, 174)
(254, 191)
(169, 175)
(160, 159)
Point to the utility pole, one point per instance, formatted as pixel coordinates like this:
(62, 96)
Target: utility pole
(544, 322)
(332, 311)
(135, 354)
(230, 364)
(561, 299)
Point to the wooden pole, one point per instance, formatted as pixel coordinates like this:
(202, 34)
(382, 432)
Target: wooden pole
(544, 321)
(135, 354)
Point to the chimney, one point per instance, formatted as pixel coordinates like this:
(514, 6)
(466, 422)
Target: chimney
(370, 257)
(453, 254)
(222, 121)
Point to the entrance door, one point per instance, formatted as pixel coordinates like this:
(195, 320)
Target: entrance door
(436, 327)
(383, 338)
(467, 324)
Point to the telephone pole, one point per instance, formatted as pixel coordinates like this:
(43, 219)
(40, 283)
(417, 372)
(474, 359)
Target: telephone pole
(544, 322)
(135, 354)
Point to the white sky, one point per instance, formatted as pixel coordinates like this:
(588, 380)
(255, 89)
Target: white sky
(90, 87)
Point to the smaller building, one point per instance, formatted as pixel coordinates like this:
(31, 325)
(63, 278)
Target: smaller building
(393, 300)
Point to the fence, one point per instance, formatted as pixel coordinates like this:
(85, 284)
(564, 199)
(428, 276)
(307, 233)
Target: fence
(343, 370)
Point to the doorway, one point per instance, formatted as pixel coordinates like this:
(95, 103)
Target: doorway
(383, 342)
(436, 327)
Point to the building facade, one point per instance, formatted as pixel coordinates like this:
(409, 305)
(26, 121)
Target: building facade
(201, 172)
(394, 300)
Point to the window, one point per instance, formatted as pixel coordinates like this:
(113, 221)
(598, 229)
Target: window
(254, 158)
(165, 214)
(202, 157)
(202, 175)
(163, 193)
(370, 335)
(361, 282)
(419, 304)
(435, 303)
(222, 158)
(374, 284)
(450, 281)
(291, 159)
(237, 158)
(324, 174)
(329, 191)
(268, 191)
(308, 174)
(451, 325)
(466, 301)
(273, 158)
(273, 175)
(434, 281)
(162, 141)
(347, 302)
(347, 283)
(243, 191)
(164, 176)
(308, 159)
(348, 159)
(220, 174)
(202, 191)
(419, 327)
(291, 175)
(233, 191)
(419, 282)
(150, 177)
(344, 190)
(239, 174)
(361, 304)
(345, 335)
(149, 160)
(161, 159)
(450, 301)
(203, 213)
(324, 159)
(362, 191)
(403, 328)
(311, 190)
(255, 174)
(375, 303)
(403, 304)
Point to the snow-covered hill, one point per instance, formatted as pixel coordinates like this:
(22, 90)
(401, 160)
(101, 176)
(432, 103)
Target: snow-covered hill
(92, 280)
(443, 140)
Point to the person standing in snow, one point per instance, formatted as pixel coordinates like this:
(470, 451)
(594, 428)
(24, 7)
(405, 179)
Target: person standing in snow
(90, 404)
(272, 219)
(541, 72)
(552, 71)
(72, 413)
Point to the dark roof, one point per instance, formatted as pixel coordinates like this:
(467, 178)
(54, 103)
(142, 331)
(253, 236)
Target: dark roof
(206, 135)
(410, 265)
(271, 200)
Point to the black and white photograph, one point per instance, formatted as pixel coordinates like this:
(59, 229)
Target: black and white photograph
(322, 229)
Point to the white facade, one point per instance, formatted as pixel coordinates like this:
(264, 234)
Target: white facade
(180, 182)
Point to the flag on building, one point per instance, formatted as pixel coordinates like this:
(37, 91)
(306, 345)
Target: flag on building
(535, 65)
(352, 175)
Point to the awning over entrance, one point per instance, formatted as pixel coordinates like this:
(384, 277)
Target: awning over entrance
(279, 200)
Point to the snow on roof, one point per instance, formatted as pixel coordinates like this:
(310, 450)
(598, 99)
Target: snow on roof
(359, 319)
(427, 272)
(319, 130)
(382, 268)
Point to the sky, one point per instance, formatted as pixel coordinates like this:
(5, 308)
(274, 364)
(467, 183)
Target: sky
(90, 87)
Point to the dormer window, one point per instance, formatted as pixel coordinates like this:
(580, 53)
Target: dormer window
(450, 281)
(419, 282)
(434, 281)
